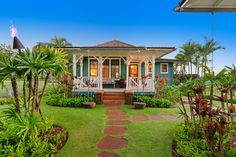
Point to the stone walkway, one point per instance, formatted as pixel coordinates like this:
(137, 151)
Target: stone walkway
(114, 131)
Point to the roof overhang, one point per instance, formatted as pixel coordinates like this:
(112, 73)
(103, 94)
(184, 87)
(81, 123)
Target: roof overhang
(206, 6)
(118, 51)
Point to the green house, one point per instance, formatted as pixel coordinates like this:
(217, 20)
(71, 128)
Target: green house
(116, 66)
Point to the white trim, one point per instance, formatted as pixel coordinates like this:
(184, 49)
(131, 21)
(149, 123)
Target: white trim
(161, 68)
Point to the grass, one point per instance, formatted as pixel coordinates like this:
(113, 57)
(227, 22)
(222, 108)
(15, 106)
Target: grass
(5, 93)
(84, 125)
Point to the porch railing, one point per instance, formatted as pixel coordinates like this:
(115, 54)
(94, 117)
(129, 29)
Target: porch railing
(83, 83)
(135, 83)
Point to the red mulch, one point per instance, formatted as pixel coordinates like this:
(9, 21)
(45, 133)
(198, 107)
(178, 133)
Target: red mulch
(138, 118)
(112, 143)
(157, 118)
(107, 154)
(115, 130)
(118, 122)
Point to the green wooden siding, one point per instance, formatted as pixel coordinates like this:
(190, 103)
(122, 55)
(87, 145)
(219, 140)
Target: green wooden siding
(142, 69)
(123, 69)
(170, 74)
(85, 67)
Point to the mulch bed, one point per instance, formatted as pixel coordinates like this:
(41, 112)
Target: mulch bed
(115, 130)
(112, 143)
(56, 130)
(118, 122)
(107, 154)
(138, 118)
(174, 153)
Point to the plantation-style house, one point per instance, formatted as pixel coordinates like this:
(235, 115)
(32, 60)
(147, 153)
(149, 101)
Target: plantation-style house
(117, 67)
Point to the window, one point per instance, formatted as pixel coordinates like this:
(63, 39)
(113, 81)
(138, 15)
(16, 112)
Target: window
(115, 69)
(133, 70)
(149, 68)
(164, 68)
(105, 69)
(93, 68)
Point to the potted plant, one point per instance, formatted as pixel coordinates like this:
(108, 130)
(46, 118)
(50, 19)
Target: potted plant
(89, 104)
(122, 82)
(139, 104)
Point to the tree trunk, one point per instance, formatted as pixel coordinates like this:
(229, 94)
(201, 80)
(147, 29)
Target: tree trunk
(34, 94)
(29, 78)
(24, 95)
(15, 92)
(211, 93)
(44, 87)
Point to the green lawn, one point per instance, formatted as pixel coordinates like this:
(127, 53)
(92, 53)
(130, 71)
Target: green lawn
(85, 126)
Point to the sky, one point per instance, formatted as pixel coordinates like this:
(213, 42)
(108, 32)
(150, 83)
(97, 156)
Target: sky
(138, 22)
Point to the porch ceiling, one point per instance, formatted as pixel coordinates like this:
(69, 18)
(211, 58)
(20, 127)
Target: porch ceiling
(206, 6)
(136, 51)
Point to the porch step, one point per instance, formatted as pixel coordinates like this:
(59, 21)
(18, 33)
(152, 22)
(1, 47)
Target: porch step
(114, 96)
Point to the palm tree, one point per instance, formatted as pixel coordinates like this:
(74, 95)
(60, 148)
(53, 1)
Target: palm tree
(9, 69)
(60, 42)
(208, 48)
(187, 52)
(45, 60)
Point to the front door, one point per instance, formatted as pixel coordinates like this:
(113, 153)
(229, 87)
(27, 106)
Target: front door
(133, 70)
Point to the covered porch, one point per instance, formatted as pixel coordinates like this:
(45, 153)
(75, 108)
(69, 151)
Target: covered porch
(104, 66)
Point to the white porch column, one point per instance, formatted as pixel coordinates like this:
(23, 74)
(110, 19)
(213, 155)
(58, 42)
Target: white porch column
(74, 67)
(81, 67)
(153, 72)
(100, 71)
(127, 72)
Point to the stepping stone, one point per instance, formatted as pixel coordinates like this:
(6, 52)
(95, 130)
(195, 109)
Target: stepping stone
(157, 118)
(118, 117)
(170, 117)
(107, 154)
(112, 143)
(139, 118)
(117, 122)
(115, 113)
(115, 130)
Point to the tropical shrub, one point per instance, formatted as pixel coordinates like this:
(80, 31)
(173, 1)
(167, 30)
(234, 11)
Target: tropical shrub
(186, 143)
(153, 102)
(68, 102)
(170, 93)
(6, 101)
(28, 135)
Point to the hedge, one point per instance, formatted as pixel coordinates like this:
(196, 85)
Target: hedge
(154, 102)
(68, 102)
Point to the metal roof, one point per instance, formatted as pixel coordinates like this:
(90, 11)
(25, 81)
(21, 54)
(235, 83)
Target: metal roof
(206, 6)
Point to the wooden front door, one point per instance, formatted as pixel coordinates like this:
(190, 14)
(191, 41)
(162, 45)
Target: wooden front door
(133, 70)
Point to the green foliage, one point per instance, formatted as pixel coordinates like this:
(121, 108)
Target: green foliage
(6, 101)
(181, 78)
(68, 102)
(27, 135)
(170, 93)
(187, 145)
(154, 102)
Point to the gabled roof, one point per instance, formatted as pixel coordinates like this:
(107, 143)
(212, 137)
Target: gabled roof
(114, 43)
(206, 6)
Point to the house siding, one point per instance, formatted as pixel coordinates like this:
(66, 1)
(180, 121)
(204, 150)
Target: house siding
(123, 69)
(170, 74)
(85, 67)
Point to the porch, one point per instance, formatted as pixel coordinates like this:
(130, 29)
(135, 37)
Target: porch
(132, 69)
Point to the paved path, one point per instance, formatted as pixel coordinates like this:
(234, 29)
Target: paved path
(114, 131)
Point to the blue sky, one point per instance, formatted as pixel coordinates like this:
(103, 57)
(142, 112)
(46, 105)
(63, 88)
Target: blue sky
(138, 22)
